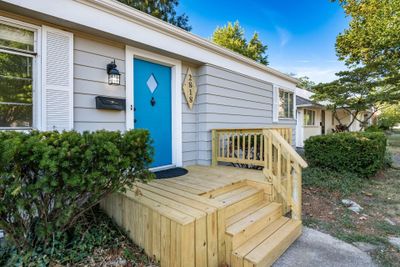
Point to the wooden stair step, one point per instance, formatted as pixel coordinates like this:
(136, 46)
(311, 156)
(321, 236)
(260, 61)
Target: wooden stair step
(239, 253)
(238, 195)
(242, 202)
(240, 199)
(234, 192)
(266, 253)
(248, 226)
(238, 216)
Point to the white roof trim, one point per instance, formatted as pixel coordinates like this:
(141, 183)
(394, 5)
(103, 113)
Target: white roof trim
(118, 9)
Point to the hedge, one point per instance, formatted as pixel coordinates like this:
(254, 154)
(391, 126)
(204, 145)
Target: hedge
(48, 179)
(361, 153)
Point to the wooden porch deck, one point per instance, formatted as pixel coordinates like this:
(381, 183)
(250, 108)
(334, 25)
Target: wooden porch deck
(212, 216)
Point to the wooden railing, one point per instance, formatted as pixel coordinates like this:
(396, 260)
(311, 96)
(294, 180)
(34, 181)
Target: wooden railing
(270, 149)
(242, 146)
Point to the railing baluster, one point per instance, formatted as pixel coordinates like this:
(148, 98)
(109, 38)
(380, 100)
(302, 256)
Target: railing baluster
(248, 146)
(255, 146)
(262, 150)
(233, 146)
(270, 154)
(238, 145)
(243, 145)
(288, 181)
(219, 145)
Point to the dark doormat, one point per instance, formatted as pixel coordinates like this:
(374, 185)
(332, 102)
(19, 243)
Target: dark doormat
(171, 173)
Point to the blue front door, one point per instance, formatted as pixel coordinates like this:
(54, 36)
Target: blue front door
(152, 107)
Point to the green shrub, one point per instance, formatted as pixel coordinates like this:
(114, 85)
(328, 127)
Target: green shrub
(361, 153)
(374, 129)
(48, 179)
(93, 238)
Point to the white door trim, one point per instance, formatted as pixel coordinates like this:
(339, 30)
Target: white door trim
(300, 128)
(176, 94)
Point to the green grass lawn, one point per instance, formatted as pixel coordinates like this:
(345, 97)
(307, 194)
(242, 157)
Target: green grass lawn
(379, 196)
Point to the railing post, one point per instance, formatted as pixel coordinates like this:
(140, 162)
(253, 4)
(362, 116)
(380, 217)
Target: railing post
(297, 197)
(214, 147)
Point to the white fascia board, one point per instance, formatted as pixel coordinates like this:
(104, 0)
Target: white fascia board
(123, 21)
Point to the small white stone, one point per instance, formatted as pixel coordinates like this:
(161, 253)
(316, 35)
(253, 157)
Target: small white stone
(389, 221)
(351, 205)
(395, 241)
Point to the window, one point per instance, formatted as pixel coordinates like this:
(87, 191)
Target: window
(309, 117)
(17, 57)
(285, 104)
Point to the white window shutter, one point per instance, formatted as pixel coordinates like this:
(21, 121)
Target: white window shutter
(275, 106)
(57, 79)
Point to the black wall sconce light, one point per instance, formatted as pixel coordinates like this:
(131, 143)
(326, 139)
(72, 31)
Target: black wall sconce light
(114, 77)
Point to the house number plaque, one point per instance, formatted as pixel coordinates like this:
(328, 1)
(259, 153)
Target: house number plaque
(190, 88)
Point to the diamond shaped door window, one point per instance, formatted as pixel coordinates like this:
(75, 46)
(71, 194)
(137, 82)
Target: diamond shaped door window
(152, 83)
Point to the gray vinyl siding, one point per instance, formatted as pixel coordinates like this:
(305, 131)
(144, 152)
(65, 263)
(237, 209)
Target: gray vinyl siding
(90, 80)
(225, 99)
(230, 100)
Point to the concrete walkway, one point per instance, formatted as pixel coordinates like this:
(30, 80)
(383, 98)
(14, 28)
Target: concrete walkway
(317, 249)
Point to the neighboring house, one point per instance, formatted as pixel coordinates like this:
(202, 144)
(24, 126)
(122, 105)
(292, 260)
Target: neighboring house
(197, 99)
(314, 118)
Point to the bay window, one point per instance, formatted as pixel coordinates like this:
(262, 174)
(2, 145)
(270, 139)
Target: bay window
(17, 68)
(286, 104)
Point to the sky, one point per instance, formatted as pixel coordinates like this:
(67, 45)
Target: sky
(300, 34)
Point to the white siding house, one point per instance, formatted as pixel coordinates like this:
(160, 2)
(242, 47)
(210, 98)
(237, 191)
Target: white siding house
(314, 118)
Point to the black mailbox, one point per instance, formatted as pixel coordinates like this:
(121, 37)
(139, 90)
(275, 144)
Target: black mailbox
(103, 102)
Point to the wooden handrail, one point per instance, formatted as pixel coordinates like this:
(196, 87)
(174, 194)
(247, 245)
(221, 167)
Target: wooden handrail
(283, 166)
(267, 148)
(290, 149)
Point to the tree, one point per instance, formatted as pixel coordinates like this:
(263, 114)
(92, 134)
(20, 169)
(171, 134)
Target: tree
(162, 9)
(358, 90)
(373, 36)
(389, 116)
(306, 83)
(232, 37)
(370, 47)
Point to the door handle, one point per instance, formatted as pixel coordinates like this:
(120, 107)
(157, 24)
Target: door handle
(135, 120)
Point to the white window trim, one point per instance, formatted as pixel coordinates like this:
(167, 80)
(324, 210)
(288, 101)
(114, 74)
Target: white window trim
(176, 96)
(292, 91)
(37, 107)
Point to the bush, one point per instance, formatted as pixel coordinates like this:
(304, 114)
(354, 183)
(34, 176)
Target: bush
(374, 129)
(361, 153)
(49, 179)
(90, 242)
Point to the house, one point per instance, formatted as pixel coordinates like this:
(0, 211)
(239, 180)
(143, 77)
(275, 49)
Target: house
(314, 118)
(98, 64)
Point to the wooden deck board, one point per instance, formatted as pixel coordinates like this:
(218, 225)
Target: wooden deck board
(182, 221)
